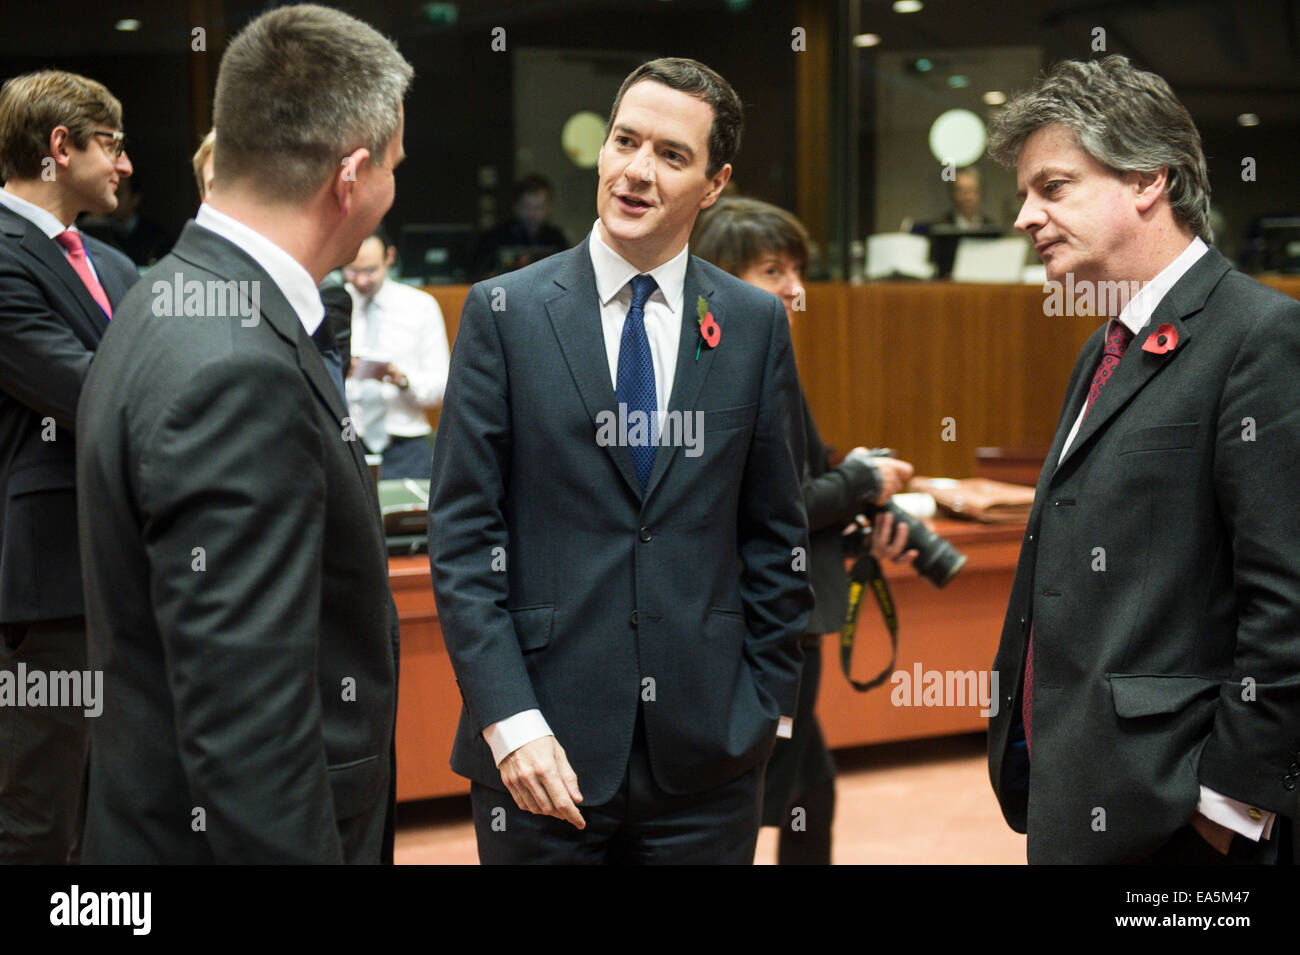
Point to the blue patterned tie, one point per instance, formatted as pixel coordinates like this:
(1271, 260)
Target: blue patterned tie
(636, 378)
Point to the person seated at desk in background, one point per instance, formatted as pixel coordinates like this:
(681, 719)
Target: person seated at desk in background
(967, 197)
(768, 248)
(387, 401)
(526, 237)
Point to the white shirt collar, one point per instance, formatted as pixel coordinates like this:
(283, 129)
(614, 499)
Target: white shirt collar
(43, 219)
(613, 272)
(1142, 306)
(286, 272)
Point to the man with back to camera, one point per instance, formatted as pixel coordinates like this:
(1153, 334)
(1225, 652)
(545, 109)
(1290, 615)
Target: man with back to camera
(62, 152)
(623, 613)
(1153, 629)
(400, 368)
(237, 585)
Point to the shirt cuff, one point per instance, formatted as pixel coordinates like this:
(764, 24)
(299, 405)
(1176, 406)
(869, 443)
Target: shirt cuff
(507, 735)
(785, 727)
(1240, 817)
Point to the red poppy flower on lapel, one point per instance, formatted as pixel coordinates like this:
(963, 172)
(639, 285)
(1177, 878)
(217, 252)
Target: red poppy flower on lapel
(1164, 339)
(710, 331)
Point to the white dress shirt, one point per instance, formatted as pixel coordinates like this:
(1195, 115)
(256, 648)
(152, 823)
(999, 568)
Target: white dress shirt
(44, 220)
(663, 326)
(402, 325)
(288, 274)
(1240, 817)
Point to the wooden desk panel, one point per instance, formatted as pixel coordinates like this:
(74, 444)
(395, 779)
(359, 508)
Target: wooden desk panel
(885, 363)
(956, 628)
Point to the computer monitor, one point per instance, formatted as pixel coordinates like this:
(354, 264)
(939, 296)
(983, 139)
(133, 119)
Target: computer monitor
(1279, 241)
(944, 239)
(436, 254)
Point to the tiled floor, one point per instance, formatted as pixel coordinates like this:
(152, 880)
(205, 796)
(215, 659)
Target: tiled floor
(920, 802)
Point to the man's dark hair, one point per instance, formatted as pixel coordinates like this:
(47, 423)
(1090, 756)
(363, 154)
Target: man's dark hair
(534, 182)
(33, 104)
(693, 77)
(298, 89)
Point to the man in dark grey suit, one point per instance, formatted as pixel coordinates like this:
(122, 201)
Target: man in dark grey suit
(616, 530)
(61, 154)
(236, 576)
(1151, 651)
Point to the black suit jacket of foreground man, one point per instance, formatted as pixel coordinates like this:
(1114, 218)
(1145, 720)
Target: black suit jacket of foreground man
(250, 686)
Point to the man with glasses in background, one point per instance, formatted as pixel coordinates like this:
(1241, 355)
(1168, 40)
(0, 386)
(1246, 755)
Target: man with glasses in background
(62, 153)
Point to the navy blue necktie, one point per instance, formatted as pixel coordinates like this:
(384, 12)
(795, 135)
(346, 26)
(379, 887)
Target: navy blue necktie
(329, 354)
(636, 379)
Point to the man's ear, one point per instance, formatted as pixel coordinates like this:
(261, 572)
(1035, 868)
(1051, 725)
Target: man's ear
(346, 176)
(716, 185)
(1149, 186)
(391, 257)
(60, 143)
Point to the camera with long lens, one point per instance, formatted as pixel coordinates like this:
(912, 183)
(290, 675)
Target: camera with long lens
(936, 560)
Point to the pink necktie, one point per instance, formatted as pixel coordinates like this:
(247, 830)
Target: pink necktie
(71, 242)
(1117, 340)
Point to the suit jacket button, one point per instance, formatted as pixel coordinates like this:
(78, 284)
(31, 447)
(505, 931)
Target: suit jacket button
(645, 535)
(1293, 769)
(1031, 538)
(632, 619)
(1288, 782)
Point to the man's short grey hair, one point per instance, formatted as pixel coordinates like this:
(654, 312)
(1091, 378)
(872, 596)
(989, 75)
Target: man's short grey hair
(1126, 119)
(299, 89)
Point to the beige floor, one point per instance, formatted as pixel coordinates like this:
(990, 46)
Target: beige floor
(923, 802)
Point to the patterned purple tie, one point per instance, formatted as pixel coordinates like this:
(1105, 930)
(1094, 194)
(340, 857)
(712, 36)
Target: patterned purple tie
(1118, 338)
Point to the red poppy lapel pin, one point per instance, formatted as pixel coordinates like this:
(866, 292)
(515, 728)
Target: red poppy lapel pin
(710, 332)
(1162, 341)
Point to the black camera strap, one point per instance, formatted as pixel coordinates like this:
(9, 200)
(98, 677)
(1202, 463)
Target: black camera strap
(866, 572)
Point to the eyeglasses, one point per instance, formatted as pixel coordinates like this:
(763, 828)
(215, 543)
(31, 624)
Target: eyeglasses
(119, 140)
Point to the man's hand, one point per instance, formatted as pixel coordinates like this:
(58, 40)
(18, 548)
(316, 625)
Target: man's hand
(1219, 836)
(540, 779)
(888, 539)
(392, 374)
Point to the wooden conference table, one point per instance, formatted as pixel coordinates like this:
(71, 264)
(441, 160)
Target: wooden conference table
(956, 628)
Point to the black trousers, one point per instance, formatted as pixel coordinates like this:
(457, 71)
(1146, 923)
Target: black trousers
(799, 790)
(641, 825)
(43, 750)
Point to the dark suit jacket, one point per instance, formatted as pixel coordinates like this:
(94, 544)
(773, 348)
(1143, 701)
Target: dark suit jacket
(260, 686)
(1178, 664)
(833, 497)
(691, 586)
(49, 329)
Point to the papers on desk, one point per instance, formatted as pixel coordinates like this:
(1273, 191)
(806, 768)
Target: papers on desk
(898, 255)
(990, 260)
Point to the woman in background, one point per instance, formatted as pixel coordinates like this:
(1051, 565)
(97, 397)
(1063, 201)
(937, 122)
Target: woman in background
(768, 247)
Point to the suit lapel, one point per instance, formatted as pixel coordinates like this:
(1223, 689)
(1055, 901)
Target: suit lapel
(210, 252)
(50, 255)
(690, 374)
(575, 317)
(1138, 367)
